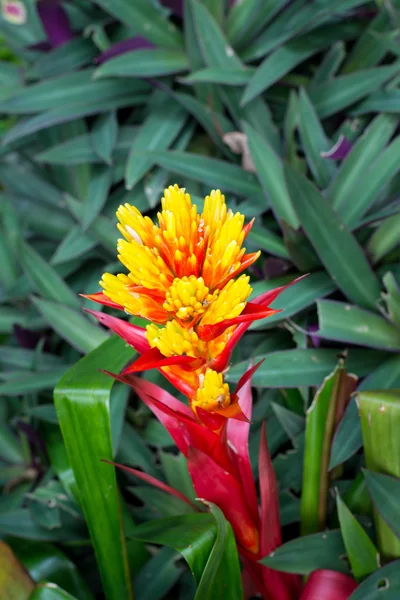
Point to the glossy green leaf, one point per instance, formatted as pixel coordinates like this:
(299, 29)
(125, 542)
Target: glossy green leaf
(97, 194)
(207, 544)
(284, 59)
(297, 18)
(71, 324)
(44, 278)
(264, 239)
(57, 116)
(68, 57)
(384, 583)
(145, 19)
(379, 415)
(104, 136)
(382, 101)
(218, 75)
(350, 180)
(315, 141)
(361, 551)
(270, 174)
(330, 64)
(82, 403)
(45, 562)
(384, 239)
(295, 298)
(157, 576)
(245, 19)
(158, 131)
(383, 491)
(74, 245)
(144, 63)
(348, 439)
(320, 422)
(333, 242)
(210, 171)
(50, 591)
(308, 553)
(296, 368)
(68, 90)
(26, 382)
(333, 96)
(346, 323)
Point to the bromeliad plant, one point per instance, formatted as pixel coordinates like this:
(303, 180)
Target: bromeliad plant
(184, 276)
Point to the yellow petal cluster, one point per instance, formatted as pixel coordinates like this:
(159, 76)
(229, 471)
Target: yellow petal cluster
(181, 275)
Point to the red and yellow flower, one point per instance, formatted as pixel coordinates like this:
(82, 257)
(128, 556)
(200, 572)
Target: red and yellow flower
(184, 275)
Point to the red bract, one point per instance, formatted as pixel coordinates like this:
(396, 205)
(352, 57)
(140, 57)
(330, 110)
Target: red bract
(219, 465)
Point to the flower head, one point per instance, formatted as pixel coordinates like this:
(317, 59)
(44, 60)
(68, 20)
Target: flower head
(184, 276)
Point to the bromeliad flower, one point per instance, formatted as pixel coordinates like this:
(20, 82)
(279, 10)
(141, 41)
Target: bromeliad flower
(184, 275)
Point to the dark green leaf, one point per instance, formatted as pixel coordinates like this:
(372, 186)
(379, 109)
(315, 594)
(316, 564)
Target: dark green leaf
(333, 242)
(144, 63)
(308, 553)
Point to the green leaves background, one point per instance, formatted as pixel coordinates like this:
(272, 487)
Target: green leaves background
(80, 137)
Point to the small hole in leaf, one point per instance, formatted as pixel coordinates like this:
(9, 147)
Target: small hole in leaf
(383, 584)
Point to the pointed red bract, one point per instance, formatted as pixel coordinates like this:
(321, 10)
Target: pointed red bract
(153, 359)
(237, 434)
(101, 298)
(217, 485)
(270, 529)
(328, 585)
(135, 336)
(251, 312)
(153, 481)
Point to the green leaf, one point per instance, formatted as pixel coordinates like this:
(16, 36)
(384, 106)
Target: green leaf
(46, 562)
(50, 591)
(350, 180)
(296, 368)
(333, 96)
(144, 63)
(57, 116)
(320, 422)
(207, 544)
(379, 416)
(346, 323)
(348, 438)
(104, 136)
(382, 101)
(333, 243)
(384, 492)
(26, 382)
(245, 19)
(75, 244)
(362, 554)
(298, 18)
(308, 553)
(384, 583)
(71, 56)
(284, 59)
(218, 75)
(66, 91)
(295, 298)
(384, 239)
(157, 576)
(70, 324)
(146, 20)
(157, 132)
(44, 278)
(210, 171)
(270, 173)
(264, 239)
(330, 64)
(97, 194)
(315, 141)
(82, 403)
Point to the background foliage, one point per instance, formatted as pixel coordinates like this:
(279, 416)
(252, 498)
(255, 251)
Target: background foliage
(291, 108)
